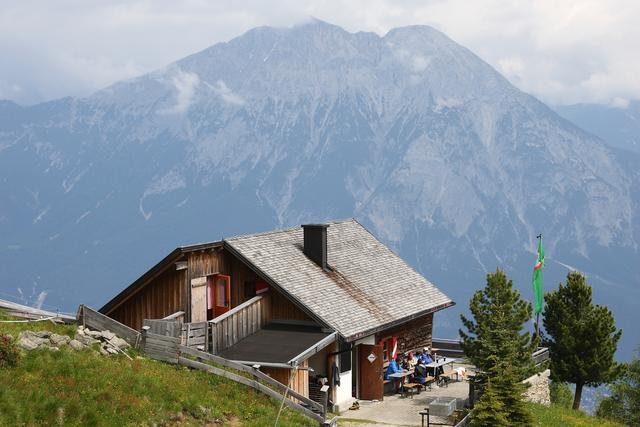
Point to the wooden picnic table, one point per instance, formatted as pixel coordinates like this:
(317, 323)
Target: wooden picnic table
(398, 377)
(441, 361)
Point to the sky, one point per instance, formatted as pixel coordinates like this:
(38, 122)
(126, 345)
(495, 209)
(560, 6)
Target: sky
(562, 51)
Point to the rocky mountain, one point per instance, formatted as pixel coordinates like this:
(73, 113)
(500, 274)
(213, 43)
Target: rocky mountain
(412, 134)
(618, 126)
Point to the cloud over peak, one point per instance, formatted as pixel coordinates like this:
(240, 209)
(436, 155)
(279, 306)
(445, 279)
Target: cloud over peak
(562, 52)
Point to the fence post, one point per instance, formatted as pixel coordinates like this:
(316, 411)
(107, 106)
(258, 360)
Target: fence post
(145, 329)
(324, 397)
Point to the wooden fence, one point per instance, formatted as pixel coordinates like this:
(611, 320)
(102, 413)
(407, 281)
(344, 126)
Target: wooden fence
(238, 323)
(89, 317)
(541, 355)
(169, 328)
(168, 349)
(196, 335)
(453, 348)
(447, 347)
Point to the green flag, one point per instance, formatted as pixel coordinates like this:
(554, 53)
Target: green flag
(538, 300)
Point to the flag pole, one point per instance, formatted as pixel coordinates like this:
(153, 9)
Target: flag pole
(538, 313)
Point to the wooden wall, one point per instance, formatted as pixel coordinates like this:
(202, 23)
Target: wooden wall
(283, 309)
(172, 291)
(217, 261)
(240, 275)
(300, 381)
(412, 335)
(162, 296)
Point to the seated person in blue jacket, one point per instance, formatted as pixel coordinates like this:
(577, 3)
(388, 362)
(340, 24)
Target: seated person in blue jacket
(426, 359)
(393, 368)
(426, 356)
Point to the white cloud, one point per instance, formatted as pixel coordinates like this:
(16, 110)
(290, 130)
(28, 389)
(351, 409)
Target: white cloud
(227, 95)
(621, 103)
(185, 85)
(419, 63)
(563, 52)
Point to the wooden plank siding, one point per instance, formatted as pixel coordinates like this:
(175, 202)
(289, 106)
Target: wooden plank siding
(161, 296)
(299, 382)
(283, 309)
(170, 290)
(204, 263)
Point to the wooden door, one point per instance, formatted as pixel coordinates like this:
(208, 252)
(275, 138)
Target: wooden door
(221, 294)
(199, 290)
(370, 372)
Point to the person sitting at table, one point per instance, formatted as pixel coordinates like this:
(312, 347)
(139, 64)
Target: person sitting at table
(393, 368)
(426, 356)
(406, 363)
(412, 360)
(420, 373)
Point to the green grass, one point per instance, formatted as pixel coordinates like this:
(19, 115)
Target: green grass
(559, 416)
(15, 328)
(83, 388)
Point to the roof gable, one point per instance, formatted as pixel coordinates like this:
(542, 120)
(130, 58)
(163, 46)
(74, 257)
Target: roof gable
(369, 286)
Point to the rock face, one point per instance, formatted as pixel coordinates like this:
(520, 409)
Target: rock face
(108, 341)
(412, 134)
(539, 391)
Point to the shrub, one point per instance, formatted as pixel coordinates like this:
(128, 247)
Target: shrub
(561, 394)
(9, 353)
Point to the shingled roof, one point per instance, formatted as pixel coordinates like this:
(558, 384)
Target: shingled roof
(368, 287)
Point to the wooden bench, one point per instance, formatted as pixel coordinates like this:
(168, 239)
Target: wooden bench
(411, 388)
(387, 387)
(429, 381)
(447, 377)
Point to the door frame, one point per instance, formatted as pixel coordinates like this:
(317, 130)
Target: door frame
(367, 390)
(219, 310)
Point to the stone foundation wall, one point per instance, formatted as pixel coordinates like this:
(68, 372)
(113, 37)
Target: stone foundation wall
(539, 391)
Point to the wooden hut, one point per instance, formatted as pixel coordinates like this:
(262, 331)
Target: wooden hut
(312, 304)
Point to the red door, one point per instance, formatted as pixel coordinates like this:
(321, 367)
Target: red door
(370, 372)
(221, 294)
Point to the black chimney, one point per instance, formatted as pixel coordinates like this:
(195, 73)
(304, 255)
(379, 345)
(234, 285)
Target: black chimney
(315, 243)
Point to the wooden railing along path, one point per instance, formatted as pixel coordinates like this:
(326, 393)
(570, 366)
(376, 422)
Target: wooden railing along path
(238, 323)
(453, 348)
(168, 349)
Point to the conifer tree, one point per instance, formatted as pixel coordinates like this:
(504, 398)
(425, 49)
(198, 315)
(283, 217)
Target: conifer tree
(496, 345)
(489, 411)
(582, 337)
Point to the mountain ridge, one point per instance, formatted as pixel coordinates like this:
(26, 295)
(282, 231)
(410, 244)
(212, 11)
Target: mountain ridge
(422, 141)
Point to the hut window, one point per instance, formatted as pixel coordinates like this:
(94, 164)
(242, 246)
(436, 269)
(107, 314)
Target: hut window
(345, 356)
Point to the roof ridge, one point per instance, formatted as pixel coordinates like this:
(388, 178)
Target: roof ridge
(283, 230)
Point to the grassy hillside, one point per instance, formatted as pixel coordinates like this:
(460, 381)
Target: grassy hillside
(558, 416)
(84, 388)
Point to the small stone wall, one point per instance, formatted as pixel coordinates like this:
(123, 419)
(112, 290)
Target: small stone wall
(109, 343)
(539, 391)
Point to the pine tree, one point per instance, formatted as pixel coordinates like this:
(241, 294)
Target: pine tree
(496, 345)
(489, 411)
(509, 388)
(582, 337)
